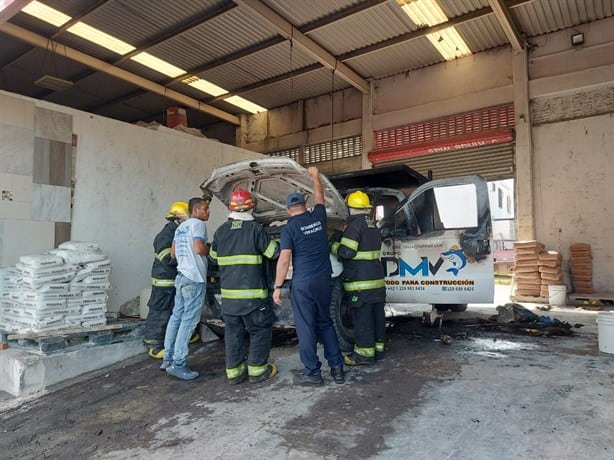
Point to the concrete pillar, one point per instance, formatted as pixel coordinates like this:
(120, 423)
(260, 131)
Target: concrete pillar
(367, 126)
(525, 222)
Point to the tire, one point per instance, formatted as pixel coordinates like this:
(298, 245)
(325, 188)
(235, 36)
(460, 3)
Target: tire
(217, 330)
(213, 312)
(342, 319)
(455, 307)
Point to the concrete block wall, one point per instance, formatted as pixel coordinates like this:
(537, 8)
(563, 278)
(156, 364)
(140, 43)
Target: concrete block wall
(35, 177)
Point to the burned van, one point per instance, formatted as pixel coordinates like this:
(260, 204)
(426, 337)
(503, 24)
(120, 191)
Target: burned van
(436, 235)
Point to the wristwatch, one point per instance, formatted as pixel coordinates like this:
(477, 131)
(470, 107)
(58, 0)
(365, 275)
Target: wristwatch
(277, 286)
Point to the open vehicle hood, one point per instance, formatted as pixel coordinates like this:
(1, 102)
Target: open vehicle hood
(270, 180)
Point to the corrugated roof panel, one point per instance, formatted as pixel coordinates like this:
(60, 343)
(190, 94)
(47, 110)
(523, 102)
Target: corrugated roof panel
(221, 36)
(357, 31)
(543, 16)
(408, 55)
(301, 87)
(136, 22)
(454, 8)
(300, 13)
(482, 34)
(273, 61)
(72, 8)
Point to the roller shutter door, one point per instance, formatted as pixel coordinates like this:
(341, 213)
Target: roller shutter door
(478, 142)
(493, 162)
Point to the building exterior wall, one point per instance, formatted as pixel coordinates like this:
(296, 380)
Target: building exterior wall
(125, 178)
(574, 166)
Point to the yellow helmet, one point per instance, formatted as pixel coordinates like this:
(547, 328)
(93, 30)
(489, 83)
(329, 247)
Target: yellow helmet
(358, 200)
(179, 209)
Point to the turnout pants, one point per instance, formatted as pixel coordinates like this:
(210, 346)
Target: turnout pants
(369, 327)
(311, 307)
(259, 325)
(160, 306)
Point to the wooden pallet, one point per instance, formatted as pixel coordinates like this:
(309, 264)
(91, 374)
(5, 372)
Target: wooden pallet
(61, 340)
(593, 299)
(528, 298)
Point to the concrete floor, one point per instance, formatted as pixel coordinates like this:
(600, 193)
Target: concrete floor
(486, 395)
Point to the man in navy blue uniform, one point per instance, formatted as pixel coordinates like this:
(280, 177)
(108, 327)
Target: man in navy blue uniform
(304, 241)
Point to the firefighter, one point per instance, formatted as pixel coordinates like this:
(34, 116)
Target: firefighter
(363, 279)
(163, 274)
(240, 247)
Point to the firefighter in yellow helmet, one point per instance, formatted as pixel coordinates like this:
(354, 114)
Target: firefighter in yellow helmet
(163, 274)
(363, 279)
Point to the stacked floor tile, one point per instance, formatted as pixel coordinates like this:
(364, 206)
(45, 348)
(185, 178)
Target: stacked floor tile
(65, 288)
(550, 272)
(581, 266)
(527, 279)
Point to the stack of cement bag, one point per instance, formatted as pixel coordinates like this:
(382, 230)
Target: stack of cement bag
(581, 265)
(65, 288)
(550, 271)
(527, 278)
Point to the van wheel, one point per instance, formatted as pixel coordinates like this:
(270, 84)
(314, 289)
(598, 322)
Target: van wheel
(455, 307)
(217, 330)
(342, 319)
(213, 311)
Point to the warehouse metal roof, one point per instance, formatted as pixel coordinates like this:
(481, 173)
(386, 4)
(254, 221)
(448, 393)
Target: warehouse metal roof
(131, 59)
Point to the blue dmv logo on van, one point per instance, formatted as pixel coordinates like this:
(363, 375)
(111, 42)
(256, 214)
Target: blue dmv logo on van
(457, 258)
(395, 266)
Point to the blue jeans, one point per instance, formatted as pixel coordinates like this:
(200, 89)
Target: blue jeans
(189, 300)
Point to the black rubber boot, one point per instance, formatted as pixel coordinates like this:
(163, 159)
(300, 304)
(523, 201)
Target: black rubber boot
(313, 380)
(338, 374)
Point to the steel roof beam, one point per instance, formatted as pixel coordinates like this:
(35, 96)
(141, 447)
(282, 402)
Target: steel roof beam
(307, 28)
(11, 9)
(287, 30)
(109, 69)
(502, 13)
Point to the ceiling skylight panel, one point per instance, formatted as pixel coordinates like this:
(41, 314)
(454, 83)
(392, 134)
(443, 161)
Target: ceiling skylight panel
(428, 13)
(158, 65)
(244, 104)
(100, 38)
(204, 86)
(46, 13)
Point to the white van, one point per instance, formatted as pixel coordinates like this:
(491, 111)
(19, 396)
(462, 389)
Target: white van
(436, 235)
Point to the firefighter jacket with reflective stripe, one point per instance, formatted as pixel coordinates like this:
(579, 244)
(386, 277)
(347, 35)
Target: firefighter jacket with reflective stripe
(359, 249)
(164, 268)
(240, 247)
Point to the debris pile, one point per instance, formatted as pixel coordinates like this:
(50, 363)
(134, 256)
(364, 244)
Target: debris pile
(581, 265)
(513, 317)
(64, 288)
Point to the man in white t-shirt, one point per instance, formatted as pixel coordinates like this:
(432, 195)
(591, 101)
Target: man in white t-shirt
(190, 248)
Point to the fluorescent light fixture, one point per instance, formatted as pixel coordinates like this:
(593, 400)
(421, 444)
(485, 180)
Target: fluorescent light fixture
(53, 83)
(428, 13)
(204, 86)
(244, 104)
(158, 65)
(100, 38)
(46, 13)
(577, 39)
(449, 44)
